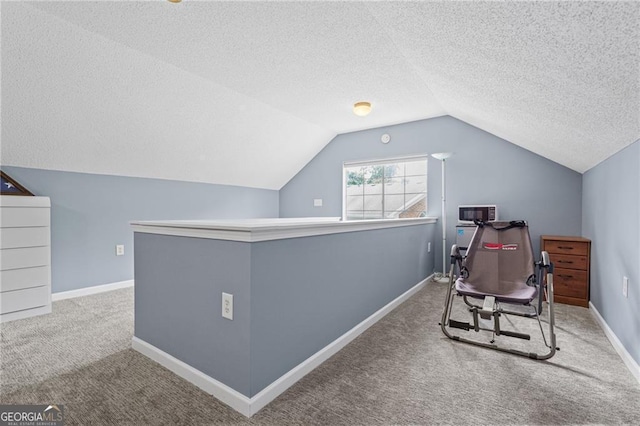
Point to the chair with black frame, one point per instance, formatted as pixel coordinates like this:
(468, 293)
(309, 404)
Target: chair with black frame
(499, 277)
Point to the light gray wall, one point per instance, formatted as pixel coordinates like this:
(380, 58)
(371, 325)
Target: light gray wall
(291, 297)
(90, 214)
(611, 219)
(483, 170)
(178, 303)
(307, 292)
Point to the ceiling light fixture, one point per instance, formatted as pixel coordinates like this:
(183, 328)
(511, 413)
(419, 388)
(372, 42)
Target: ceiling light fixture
(362, 108)
(174, 1)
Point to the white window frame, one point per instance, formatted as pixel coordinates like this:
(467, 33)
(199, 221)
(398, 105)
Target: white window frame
(346, 164)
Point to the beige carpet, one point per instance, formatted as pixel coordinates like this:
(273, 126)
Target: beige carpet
(401, 371)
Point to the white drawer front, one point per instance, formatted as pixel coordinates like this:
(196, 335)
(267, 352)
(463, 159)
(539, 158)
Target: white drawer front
(19, 201)
(13, 217)
(24, 237)
(24, 257)
(16, 279)
(24, 299)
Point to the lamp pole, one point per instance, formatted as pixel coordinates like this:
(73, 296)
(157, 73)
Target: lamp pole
(442, 156)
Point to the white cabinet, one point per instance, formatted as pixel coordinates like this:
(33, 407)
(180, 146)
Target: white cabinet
(25, 257)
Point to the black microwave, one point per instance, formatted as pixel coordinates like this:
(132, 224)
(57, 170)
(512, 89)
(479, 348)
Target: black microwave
(485, 213)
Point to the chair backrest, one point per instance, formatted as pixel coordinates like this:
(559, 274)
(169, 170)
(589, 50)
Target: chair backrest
(500, 256)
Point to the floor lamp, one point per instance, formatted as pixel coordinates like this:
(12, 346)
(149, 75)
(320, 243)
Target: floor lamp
(442, 156)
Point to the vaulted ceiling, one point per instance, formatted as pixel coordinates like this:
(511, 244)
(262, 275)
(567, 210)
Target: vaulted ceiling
(246, 93)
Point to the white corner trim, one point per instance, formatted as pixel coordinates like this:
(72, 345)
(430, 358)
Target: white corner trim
(61, 295)
(249, 406)
(615, 342)
(224, 393)
(268, 230)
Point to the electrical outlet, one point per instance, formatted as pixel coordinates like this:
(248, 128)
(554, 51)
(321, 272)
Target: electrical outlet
(429, 247)
(317, 202)
(227, 306)
(625, 286)
(120, 250)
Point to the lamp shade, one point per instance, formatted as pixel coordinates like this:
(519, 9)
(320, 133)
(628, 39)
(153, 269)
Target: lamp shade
(442, 155)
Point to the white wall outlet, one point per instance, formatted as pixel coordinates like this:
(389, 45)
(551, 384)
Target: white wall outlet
(625, 286)
(227, 306)
(120, 250)
(317, 202)
(429, 247)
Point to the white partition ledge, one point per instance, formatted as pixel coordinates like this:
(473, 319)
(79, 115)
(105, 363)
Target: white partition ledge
(254, 230)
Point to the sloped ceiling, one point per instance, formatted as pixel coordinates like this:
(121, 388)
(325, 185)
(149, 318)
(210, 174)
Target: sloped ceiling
(246, 93)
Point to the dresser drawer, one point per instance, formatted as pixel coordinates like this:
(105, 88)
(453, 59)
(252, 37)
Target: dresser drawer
(18, 279)
(35, 236)
(19, 217)
(19, 300)
(576, 248)
(566, 261)
(24, 257)
(570, 283)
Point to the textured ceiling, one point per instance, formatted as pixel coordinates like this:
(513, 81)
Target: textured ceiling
(246, 93)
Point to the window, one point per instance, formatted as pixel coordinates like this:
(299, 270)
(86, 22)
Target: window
(386, 189)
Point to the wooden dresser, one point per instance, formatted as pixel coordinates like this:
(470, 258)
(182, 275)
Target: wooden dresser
(25, 257)
(571, 258)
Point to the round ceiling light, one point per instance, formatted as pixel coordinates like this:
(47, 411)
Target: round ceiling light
(362, 108)
(175, 1)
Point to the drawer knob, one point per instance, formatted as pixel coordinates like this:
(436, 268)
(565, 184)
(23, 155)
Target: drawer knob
(565, 261)
(565, 247)
(565, 276)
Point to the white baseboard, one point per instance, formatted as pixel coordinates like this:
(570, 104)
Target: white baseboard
(224, 393)
(91, 290)
(272, 391)
(628, 360)
(249, 406)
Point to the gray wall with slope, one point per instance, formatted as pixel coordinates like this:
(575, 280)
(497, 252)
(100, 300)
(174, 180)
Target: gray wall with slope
(483, 170)
(90, 214)
(611, 219)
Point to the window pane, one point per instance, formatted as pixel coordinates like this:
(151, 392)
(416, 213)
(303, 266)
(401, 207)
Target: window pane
(355, 190)
(415, 184)
(373, 188)
(411, 199)
(373, 214)
(416, 206)
(393, 203)
(354, 177)
(393, 170)
(414, 168)
(355, 215)
(394, 185)
(373, 202)
(355, 202)
(373, 174)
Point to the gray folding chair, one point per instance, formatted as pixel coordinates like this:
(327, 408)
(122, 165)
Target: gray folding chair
(497, 274)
